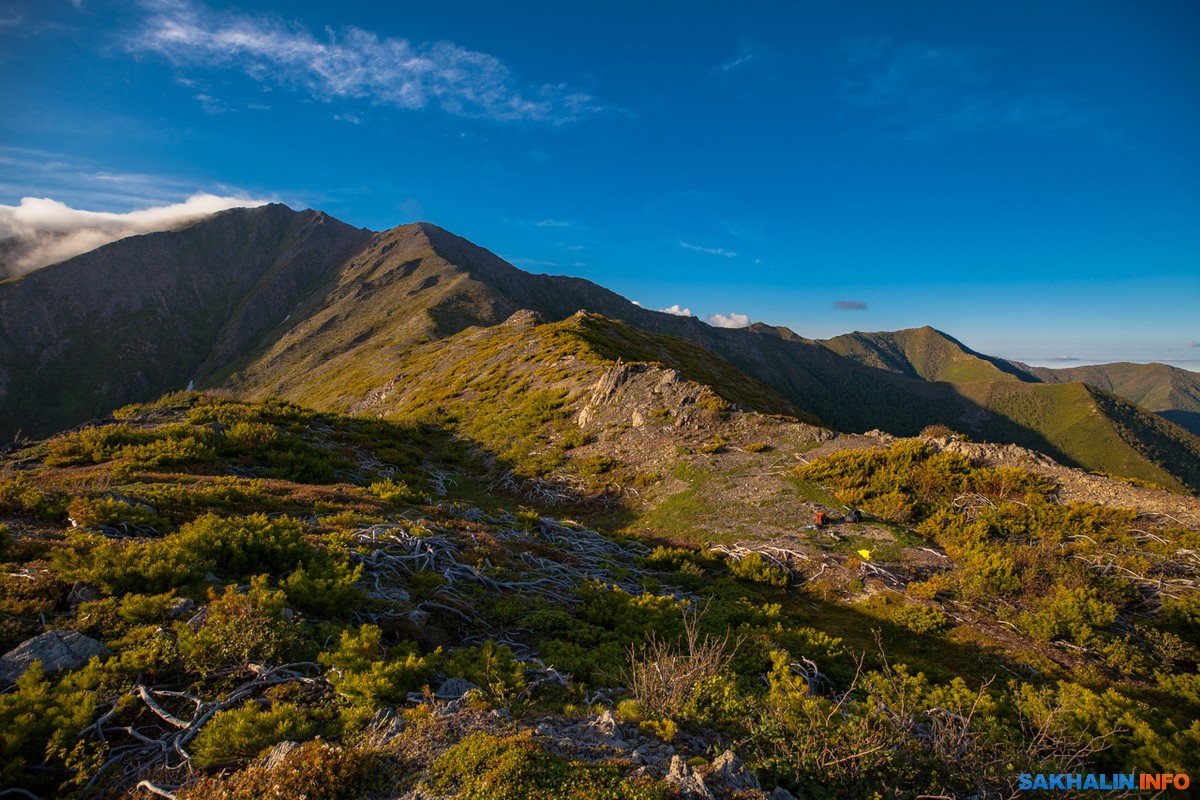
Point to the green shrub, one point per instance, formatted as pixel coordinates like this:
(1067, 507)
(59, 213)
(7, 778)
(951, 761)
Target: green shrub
(490, 666)
(233, 548)
(369, 675)
(249, 730)
(756, 569)
(595, 465)
(1071, 614)
(921, 620)
(112, 511)
(487, 767)
(21, 495)
(393, 491)
(242, 628)
(40, 722)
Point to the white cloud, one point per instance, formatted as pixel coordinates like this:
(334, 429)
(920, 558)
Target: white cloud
(551, 223)
(714, 251)
(1193, 343)
(42, 231)
(531, 262)
(711, 251)
(731, 320)
(748, 54)
(677, 311)
(353, 64)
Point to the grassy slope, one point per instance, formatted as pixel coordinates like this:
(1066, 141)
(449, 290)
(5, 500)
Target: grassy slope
(1093, 429)
(1171, 392)
(327, 492)
(924, 353)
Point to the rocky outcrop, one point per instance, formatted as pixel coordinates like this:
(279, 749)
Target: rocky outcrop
(56, 650)
(686, 779)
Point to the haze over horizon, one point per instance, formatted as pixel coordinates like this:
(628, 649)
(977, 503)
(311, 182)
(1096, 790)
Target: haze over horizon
(1024, 178)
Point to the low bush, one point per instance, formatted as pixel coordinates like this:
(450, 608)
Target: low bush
(488, 767)
(250, 730)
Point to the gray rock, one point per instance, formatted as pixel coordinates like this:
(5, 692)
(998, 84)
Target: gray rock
(57, 649)
(454, 688)
(184, 606)
(781, 793)
(604, 725)
(683, 776)
(731, 771)
(604, 729)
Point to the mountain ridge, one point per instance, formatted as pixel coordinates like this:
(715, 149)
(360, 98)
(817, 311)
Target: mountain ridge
(299, 305)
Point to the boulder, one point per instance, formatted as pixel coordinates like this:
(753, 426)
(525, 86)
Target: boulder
(732, 771)
(605, 730)
(454, 688)
(57, 649)
(184, 606)
(685, 778)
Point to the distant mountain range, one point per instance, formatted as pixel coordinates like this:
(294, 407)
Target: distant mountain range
(271, 301)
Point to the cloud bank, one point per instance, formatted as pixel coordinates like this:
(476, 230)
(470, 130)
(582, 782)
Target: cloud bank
(353, 64)
(731, 320)
(677, 311)
(41, 231)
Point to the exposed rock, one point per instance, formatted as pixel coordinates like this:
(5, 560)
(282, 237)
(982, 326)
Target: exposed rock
(57, 649)
(605, 724)
(731, 771)
(683, 776)
(781, 793)
(184, 606)
(454, 688)
(605, 729)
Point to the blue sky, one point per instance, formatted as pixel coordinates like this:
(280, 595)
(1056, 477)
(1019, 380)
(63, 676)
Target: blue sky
(1022, 175)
